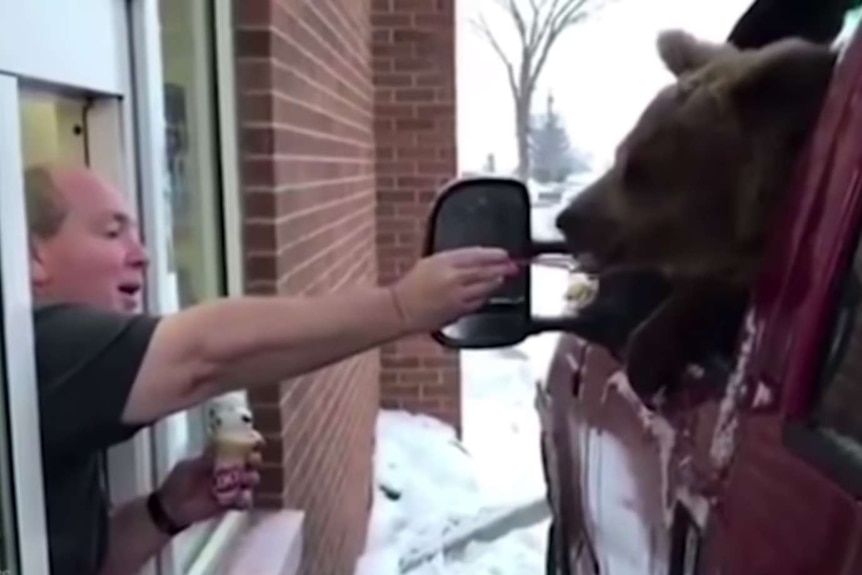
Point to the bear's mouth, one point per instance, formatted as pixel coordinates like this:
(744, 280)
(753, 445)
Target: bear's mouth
(598, 261)
(586, 262)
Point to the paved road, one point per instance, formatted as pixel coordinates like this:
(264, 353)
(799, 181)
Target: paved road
(521, 518)
(496, 528)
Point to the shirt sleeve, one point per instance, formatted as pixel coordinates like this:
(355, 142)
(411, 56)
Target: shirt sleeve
(86, 363)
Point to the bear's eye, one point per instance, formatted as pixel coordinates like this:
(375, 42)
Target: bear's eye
(637, 175)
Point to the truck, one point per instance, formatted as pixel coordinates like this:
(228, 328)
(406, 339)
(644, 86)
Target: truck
(755, 466)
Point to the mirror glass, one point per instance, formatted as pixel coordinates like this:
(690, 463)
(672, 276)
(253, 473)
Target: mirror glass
(492, 212)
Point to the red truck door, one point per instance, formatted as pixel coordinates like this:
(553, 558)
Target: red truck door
(791, 504)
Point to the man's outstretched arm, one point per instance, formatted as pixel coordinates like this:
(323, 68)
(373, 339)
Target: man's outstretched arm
(236, 343)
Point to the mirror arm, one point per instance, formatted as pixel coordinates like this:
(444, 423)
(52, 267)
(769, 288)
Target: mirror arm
(541, 248)
(568, 324)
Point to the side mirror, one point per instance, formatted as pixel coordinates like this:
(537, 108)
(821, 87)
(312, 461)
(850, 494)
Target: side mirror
(492, 212)
(496, 212)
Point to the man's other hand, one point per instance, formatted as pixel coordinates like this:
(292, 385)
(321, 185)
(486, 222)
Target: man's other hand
(187, 492)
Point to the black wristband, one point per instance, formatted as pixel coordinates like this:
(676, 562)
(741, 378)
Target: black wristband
(160, 518)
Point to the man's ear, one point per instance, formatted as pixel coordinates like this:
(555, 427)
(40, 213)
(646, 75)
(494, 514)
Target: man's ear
(682, 53)
(39, 275)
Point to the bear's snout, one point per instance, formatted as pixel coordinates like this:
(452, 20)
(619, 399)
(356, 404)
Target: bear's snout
(590, 233)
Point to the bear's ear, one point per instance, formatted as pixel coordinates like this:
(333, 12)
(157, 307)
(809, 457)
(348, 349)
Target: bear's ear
(790, 73)
(683, 53)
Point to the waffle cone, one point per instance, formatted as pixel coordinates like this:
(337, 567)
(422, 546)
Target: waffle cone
(236, 445)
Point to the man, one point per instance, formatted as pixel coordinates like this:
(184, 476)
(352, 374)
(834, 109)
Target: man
(101, 262)
(105, 372)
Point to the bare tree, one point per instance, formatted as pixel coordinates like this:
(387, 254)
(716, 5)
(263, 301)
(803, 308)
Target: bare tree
(539, 24)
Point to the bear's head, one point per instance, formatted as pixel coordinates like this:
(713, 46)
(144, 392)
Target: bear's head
(696, 180)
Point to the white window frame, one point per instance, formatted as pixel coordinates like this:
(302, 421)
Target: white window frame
(168, 441)
(19, 365)
(70, 46)
(113, 48)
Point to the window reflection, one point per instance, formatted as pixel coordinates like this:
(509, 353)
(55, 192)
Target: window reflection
(52, 129)
(192, 158)
(194, 196)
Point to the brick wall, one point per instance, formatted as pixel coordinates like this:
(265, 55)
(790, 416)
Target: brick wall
(414, 77)
(347, 119)
(307, 145)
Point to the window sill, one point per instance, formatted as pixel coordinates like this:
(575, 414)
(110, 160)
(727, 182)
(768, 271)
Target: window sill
(270, 544)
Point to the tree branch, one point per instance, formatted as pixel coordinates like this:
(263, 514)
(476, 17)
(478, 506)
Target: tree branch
(482, 27)
(511, 7)
(547, 21)
(560, 17)
(536, 6)
(539, 25)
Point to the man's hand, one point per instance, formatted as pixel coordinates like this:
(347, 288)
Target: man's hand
(187, 493)
(447, 285)
(186, 497)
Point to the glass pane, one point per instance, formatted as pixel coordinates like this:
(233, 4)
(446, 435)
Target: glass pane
(72, 130)
(52, 128)
(192, 157)
(8, 540)
(839, 407)
(52, 131)
(194, 188)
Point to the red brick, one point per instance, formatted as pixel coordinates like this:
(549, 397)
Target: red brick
(347, 120)
(306, 119)
(415, 122)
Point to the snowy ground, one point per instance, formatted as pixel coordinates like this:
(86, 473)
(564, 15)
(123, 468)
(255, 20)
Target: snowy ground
(521, 552)
(420, 459)
(432, 487)
(501, 427)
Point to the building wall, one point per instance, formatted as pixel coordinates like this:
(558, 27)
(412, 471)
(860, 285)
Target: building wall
(414, 79)
(339, 165)
(307, 145)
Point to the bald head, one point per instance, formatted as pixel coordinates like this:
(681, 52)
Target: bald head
(85, 243)
(46, 207)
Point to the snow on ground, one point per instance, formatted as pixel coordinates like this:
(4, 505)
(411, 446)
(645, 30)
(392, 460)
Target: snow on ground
(501, 426)
(431, 485)
(521, 552)
(420, 459)
(420, 462)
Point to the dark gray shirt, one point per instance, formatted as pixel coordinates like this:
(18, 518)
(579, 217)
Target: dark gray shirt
(86, 363)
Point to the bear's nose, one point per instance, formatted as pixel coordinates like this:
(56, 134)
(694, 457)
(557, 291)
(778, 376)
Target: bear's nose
(573, 223)
(565, 219)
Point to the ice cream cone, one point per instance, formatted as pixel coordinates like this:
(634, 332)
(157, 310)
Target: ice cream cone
(232, 453)
(236, 444)
(581, 291)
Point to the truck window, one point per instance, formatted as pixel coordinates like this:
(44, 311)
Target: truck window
(830, 436)
(838, 408)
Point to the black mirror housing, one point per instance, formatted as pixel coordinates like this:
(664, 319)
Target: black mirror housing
(490, 212)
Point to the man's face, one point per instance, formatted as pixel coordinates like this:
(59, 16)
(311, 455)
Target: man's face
(96, 257)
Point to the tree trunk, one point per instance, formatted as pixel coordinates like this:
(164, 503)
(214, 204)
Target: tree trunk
(522, 133)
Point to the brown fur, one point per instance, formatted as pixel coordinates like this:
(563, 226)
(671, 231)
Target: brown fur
(696, 183)
(699, 176)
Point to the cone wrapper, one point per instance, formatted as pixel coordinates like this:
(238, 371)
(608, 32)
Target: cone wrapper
(231, 460)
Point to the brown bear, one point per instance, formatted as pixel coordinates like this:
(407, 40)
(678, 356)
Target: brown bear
(695, 185)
